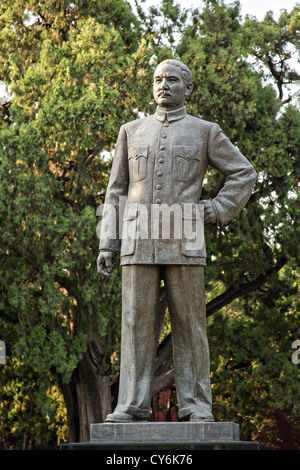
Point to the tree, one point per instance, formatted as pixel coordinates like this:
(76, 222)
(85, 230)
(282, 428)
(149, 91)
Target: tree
(32, 409)
(241, 70)
(71, 70)
(77, 72)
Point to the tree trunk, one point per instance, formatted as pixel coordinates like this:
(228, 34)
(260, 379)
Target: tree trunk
(93, 395)
(70, 398)
(87, 396)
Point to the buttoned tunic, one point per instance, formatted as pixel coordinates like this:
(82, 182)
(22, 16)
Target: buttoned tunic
(162, 160)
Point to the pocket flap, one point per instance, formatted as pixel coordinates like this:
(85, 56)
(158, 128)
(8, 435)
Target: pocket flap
(131, 212)
(188, 152)
(138, 151)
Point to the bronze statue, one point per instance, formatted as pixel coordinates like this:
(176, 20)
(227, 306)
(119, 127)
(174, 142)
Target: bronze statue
(160, 161)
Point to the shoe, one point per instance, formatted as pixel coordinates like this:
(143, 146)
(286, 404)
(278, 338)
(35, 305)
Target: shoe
(122, 417)
(199, 418)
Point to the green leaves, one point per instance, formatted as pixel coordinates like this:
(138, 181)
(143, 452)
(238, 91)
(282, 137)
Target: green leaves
(54, 350)
(241, 74)
(68, 80)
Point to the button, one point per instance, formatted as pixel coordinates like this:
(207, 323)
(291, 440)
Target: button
(158, 186)
(159, 173)
(158, 201)
(162, 147)
(166, 124)
(164, 136)
(160, 160)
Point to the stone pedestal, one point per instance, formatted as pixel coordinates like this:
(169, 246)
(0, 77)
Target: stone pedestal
(165, 436)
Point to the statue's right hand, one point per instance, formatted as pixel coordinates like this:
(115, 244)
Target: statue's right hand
(106, 262)
(209, 212)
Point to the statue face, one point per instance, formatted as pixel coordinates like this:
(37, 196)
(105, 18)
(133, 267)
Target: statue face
(169, 88)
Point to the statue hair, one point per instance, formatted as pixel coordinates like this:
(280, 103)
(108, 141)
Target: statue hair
(186, 73)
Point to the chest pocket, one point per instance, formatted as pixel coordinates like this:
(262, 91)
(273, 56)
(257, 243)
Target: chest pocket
(185, 162)
(138, 162)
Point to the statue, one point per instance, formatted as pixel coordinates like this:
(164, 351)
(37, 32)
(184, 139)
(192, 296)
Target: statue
(160, 161)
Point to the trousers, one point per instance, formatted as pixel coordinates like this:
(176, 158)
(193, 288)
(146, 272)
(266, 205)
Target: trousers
(186, 302)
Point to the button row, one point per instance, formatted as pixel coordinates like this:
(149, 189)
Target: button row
(161, 160)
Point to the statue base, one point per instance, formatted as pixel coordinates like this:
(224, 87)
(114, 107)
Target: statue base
(165, 436)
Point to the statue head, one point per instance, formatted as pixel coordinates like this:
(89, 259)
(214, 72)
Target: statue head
(172, 83)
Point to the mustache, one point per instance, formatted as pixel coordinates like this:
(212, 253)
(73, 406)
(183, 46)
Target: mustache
(163, 93)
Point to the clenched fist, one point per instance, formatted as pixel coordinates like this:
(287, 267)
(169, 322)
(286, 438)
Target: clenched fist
(106, 262)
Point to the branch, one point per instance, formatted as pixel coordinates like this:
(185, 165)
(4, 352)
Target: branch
(5, 108)
(163, 381)
(164, 356)
(228, 370)
(267, 61)
(91, 157)
(290, 96)
(242, 288)
(161, 311)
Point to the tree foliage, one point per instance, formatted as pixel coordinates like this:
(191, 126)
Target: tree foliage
(71, 71)
(241, 69)
(76, 72)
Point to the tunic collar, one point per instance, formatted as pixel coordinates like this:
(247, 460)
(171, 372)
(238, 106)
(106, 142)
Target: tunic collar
(162, 114)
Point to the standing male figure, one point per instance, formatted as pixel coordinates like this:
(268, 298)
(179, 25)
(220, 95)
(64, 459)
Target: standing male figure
(161, 160)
